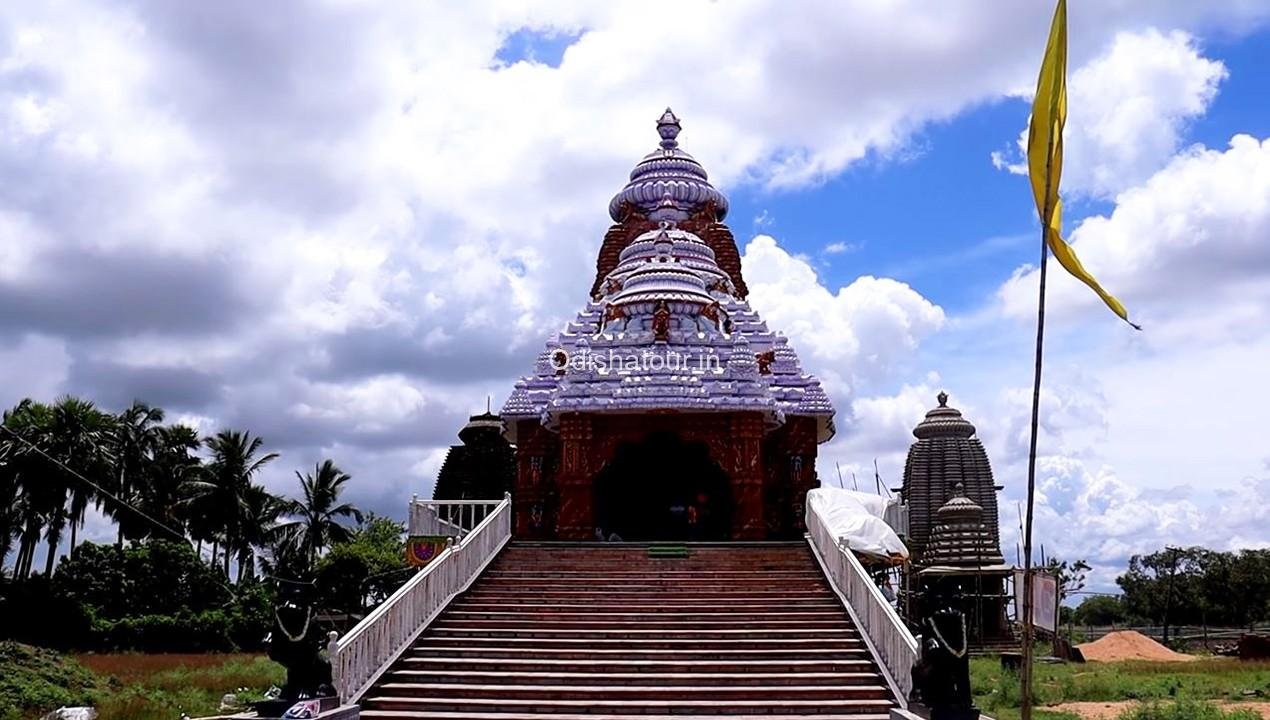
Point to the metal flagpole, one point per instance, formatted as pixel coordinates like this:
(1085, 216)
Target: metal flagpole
(1028, 631)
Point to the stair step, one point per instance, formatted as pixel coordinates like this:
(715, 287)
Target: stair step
(669, 634)
(568, 631)
(622, 644)
(654, 585)
(631, 622)
(764, 608)
(697, 693)
(724, 616)
(638, 653)
(483, 715)
(705, 706)
(517, 573)
(639, 678)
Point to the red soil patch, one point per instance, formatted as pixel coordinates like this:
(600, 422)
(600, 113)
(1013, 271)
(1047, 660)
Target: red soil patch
(1129, 645)
(131, 667)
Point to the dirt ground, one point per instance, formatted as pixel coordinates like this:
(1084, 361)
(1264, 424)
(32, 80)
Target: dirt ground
(1129, 645)
(1111, 710)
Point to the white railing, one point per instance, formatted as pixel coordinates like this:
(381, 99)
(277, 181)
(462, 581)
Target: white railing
(361, 656)
(888, 638)
(454, 518)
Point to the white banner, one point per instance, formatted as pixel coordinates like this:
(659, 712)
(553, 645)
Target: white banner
(1044, 599)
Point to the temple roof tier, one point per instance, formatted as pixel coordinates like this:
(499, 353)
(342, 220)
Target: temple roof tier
(668, 172)
(667, 330)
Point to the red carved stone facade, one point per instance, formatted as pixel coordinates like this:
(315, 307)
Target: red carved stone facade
(704, 224)
(769, 472)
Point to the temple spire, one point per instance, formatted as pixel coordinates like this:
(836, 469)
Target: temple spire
(668, 171)
(668, 127)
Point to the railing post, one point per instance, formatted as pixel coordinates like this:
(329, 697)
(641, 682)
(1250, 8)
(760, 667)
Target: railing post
(333, 656)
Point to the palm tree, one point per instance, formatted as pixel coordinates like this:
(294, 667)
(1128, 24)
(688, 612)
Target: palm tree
(78, 441)
(317, 526)
(20, 467)
(221, 494)
(26, 429)
(261, 510)
(173, 466)
(135, 443)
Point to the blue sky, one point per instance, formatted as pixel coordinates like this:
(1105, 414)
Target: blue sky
(936, 213)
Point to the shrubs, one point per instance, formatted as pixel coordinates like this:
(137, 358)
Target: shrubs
(151, 597)
(33, 680)
(1187, 710)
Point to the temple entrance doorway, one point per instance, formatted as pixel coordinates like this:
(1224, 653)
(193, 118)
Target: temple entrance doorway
(662, 488)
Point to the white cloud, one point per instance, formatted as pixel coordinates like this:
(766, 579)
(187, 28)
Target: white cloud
(1127, 109)
(1185, 251)
(840, 247)
(342, 226)
(859, 333)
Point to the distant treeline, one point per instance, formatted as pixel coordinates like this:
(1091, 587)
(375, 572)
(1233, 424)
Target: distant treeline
(1186, 586)
(155, 480)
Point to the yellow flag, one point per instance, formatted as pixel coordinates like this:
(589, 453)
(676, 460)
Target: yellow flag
(1045, 155)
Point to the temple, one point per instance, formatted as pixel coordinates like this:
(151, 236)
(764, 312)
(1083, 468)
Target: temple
(953, 527)
(666, 409)
(482, 467)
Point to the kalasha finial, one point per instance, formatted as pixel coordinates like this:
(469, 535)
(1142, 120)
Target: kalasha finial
(942, 397)
(668, 127)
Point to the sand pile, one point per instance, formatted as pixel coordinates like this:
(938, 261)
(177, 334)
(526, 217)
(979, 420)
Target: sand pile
(1129, 645)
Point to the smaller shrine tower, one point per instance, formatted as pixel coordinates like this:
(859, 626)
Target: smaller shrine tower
(953, 527)
(483, 467)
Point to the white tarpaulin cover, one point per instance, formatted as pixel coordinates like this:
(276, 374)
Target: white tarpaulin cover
(855, 518)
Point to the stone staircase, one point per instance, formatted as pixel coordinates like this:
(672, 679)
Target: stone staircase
(570, 630)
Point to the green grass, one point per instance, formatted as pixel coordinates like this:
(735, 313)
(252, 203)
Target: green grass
(161, 687)
(1186, 710)
(997, 691)
(33, 681)
(127, 686)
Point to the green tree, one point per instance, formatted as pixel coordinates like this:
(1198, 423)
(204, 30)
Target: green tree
(1070, 576)
(1100, 610)
(261, 511)
(77, 447)
(20, 468)
(1165, 587)
(173, 466)
(315, 525)
(221, 494)
(135, 443)
(364, 570)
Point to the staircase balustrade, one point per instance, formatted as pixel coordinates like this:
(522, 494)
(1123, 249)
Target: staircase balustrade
(454, 518)
(884, 632)
(358, 658)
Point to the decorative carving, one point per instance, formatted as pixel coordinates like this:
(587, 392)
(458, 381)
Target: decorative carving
(715, 313)
(661, 322)
(614, 312)
(765, 360)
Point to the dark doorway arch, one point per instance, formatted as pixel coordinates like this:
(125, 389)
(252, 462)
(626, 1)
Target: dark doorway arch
(663, 488)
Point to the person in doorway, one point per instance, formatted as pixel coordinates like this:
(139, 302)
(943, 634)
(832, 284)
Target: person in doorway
(698, 516)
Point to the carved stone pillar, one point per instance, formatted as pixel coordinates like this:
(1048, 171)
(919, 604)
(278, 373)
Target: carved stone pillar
(529, 494)
(802, 468)
(575, 520)
(747, 477)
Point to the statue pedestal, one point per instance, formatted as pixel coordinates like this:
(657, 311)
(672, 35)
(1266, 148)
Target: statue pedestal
(335, 712)
(276, 707)
(917, 712)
